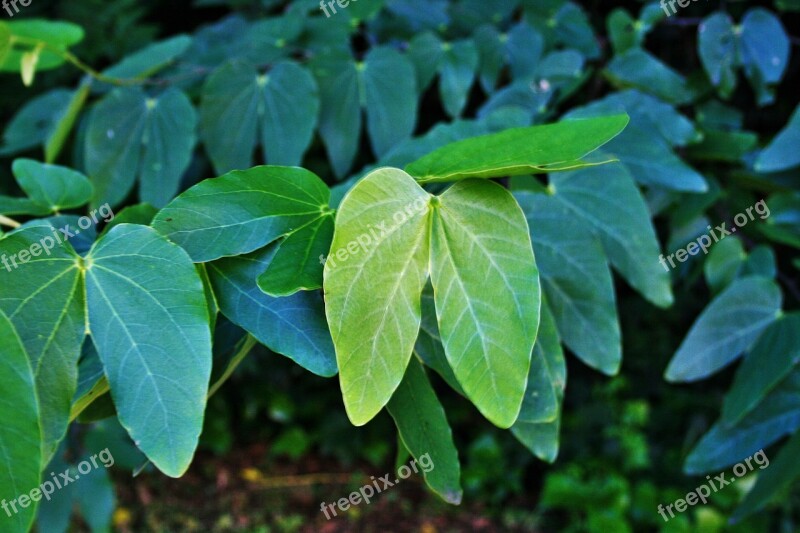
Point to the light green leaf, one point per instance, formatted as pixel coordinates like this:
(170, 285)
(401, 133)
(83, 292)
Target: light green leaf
(299, 257)
(159, 388)
(242, 211)
(20, 434)
(773, 357)
(65, 121)
(58, 188)
(293, 326)
(612, 206)
(576, 280)
(280, 108)
(32, 33)
(429, 343)
(487, 292)
(131, 136)
(43, 297)
(374, 277)
(726, 328)
(519, 151)
(424, 431)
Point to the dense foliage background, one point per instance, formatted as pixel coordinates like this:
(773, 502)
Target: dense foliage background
(712, 92)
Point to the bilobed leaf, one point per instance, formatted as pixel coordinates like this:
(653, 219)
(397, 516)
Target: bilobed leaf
(519, 151)
(20, 435)
(426, 51)
(131, 136)
(608, 200)
(138, 283)
(374, 276)
(43, 297)
(576, 280)
(487, 292)
(773, 357)
(548, 375)
(58, 188)
(424, 431)
(278, 108)
(778, 415)
(242, 211)
(429, 347)
(293, 326)
(298, 260)
(726, 328)
(782, 472)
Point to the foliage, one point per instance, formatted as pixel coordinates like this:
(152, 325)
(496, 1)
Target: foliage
(473, 174)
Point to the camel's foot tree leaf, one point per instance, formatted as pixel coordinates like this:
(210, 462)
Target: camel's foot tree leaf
(474, 240)
(131, 283)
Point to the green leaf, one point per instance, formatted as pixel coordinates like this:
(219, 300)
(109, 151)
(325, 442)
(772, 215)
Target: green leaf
(782, 153)
(783, 471)
(138, 283)
(548, 374)
(641, 70)
(299, 257)
(487, 292)
(293, 326)
(778, 415)
(131, 136)
(773, 357)
(35, 122)
(389, 96)
(457, 75)
(5, 41)
(374, 277)
(765, 50)
(429, 343)
(577, 281)
(58, 188)
(280, 108)
(519, 151)
(141, 214)
(150, 59)
(724, 262)
(340, 113)
(424, 431)
(43, 297)
(20, 435)
(426, 51)
(718, 49)
(541, 439)
(242, 211)
(33, 33)
(726, 328)
(607, 199)
(66, 120)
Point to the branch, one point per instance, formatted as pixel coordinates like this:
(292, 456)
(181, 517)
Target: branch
(11, 223)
